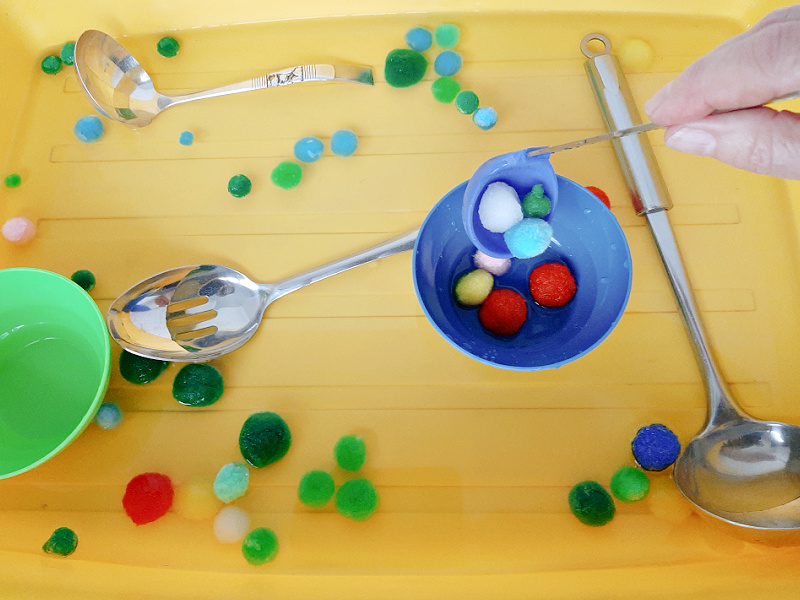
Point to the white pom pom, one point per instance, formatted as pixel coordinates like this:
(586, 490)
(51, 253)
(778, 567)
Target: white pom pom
(499, 207)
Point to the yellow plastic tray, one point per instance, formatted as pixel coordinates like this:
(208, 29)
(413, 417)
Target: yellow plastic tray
(473, 464)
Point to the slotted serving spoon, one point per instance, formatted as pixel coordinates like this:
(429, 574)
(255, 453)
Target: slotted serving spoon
(210, 310)
(119, 87)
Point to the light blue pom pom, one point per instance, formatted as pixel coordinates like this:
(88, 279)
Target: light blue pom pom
(419, 39)
(344, 142)
(232, 481)
(485, 117)
(308, 149)
(447, 63)
(108, 416)
(186, 139)
(88, 129)
(528, 238)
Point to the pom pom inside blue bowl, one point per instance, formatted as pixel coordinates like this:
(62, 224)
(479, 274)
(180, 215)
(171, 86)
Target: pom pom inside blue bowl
(586, 238)
(521, 172)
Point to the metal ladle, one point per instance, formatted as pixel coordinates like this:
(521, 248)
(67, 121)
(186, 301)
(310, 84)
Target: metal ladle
(741, 470)
(119, 87)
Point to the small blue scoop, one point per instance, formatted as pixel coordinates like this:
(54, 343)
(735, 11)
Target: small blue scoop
(521, 172)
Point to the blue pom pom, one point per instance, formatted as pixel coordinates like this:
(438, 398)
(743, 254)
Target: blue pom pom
(419, 39)
(308, 149)
(447, 63)
(88, 129)
(655, 447)
(186, 139)
(344, 142)
(485, 117)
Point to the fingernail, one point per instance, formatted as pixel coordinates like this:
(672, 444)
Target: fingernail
(693, 141)
(651, 106)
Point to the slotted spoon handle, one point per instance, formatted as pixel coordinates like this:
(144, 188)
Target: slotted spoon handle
(395, 245)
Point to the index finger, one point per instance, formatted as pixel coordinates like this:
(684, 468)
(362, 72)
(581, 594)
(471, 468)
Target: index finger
(747, 70)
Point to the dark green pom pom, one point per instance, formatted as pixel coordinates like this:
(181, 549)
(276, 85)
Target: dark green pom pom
(404, 67)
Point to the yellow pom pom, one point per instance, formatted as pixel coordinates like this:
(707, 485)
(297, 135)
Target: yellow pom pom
(666, 502)
(635, 55)
(195, 500)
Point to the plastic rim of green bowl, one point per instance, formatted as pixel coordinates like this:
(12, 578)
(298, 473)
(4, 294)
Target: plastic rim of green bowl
(55, 362)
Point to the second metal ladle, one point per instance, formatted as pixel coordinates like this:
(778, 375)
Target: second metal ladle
(738, 469)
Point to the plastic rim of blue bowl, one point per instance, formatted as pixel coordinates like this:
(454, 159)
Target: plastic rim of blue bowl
(586, 237)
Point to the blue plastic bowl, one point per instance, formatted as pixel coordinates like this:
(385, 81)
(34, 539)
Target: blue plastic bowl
(521, 172)
(586, 237)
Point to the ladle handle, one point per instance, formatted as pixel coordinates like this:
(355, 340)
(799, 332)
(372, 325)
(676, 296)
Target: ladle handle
(721, 406)
(618, 108)
(651, 199)
(394, 245)
(284, 77)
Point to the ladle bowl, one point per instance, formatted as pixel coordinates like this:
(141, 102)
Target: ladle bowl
(741, 470)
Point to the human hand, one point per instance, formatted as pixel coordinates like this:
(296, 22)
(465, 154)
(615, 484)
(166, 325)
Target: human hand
(748, 70)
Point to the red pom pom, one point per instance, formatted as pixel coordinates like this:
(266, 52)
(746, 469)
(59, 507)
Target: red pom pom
(503, 312)
(148, 497)
(552, 284)
(600, 194)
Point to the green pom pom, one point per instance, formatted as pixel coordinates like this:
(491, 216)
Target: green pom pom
(357, 499)
(67, 54)
(51, 64)
(13, 180)
(84, 278)
(63, 542)
(138, 369)
(445, 89)
(239, 186)
(535, 204)
(168, 47)
(125, 113)
(350, 452)
(287, 175)
(447, 36)
(264, 438)
(629, 485)
(260, 546)
(197, 385)
(404, 67)
(316, 489)
(467, 102)
(591, 504)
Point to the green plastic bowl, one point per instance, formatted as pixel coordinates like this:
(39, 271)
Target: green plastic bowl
(55, 361)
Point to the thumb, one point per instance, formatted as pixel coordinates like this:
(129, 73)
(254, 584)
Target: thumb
(760, 140)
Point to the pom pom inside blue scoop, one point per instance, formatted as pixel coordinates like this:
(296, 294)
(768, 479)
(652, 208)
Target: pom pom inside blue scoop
(519, 171)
